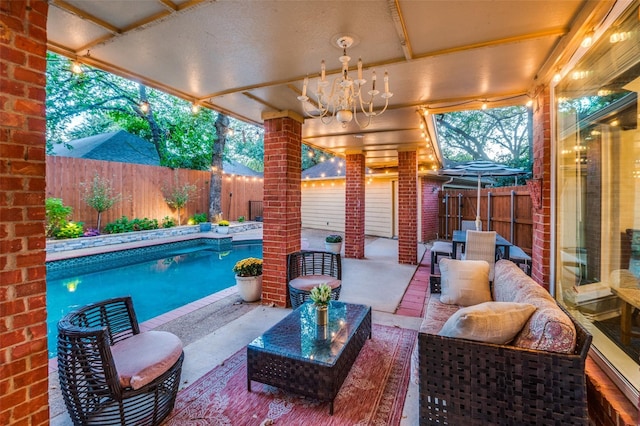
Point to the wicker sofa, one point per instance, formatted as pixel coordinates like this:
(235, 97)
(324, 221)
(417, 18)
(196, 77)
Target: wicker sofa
(467, 382)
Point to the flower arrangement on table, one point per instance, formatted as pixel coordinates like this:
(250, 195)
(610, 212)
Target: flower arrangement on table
(249, 267)
(321, 294)
(223, 223)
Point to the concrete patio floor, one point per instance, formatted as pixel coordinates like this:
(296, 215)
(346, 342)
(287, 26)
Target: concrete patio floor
(214, 332)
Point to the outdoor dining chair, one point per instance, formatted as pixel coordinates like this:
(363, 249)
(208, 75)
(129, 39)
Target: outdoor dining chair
(112, 374)
(309, 268)
(481, 245)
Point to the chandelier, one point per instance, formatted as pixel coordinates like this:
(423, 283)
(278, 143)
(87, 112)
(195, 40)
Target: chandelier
(345, 99)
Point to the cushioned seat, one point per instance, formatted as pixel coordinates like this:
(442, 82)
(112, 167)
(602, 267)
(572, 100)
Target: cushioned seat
(307, 269)
(112, 374)
(144, 357)
(440, 248)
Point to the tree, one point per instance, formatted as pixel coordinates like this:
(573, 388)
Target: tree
(98, 194)
(215, 186)
(499, 134)
(177, 195)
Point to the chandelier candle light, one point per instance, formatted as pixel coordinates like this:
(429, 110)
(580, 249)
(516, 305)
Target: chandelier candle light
(346, 93)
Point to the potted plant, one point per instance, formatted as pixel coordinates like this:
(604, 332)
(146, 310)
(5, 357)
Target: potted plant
(333, 243)
(249, 278)
(223, 227)
(200, 219)
(320, 295)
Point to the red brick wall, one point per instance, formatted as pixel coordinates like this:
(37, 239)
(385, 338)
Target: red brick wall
(430, 206)
(23, 328)
(541, 249)
(408, 207)
(354, 206)
(282, 196)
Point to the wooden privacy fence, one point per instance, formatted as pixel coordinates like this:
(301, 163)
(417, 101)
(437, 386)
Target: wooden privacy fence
(507, 210)
(141, 188)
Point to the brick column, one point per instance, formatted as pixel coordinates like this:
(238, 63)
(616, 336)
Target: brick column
(282, 195)
(408, 207)
(23, 328)
(354, 206)
(541, 247)
(429, 210)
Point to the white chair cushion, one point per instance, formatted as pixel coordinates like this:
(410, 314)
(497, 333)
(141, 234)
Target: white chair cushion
(142, 358)
(464, 282)
(307, 282)
(490, 322)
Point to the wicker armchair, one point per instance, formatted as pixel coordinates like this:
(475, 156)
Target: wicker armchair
(101, 381)
(308, 268)
(481, 245)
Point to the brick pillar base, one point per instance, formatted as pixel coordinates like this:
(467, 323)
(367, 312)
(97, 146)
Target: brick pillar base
(354, 207)
(282, 195)
(408, 207)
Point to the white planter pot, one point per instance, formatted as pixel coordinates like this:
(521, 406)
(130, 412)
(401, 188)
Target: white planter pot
(222, 229)
(249, 288)
(333, 247)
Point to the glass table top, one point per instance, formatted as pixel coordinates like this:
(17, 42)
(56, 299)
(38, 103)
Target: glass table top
(298, 335)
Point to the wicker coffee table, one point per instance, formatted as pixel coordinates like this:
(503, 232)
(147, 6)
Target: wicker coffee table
(298, 356)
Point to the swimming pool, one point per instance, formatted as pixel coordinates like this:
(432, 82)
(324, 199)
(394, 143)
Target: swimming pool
(159, 278)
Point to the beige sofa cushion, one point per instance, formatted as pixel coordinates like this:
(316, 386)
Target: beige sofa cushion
(464, 282)
(549, 328)
(490, 322)
(307, 282)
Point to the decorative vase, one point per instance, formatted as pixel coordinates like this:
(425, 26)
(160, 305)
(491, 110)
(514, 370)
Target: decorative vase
(222, 229)
(322, 314)
(333, 247)
(249, 288)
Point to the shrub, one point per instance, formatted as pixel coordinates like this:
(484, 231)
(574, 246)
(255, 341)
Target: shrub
(333, 238)
(98, 194)
(176, 195)
(70, 230)
(56, 214)
(240, 219)
(123, 224)
(91, 232)
(168, 222)
(197, 218)
(249, 267)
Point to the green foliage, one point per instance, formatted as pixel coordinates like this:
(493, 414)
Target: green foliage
(197, 218)
(123, 225)
(98, 194)
(70, 230)
(320, 294)
(333, 238)
(177, 195)
(168, 222)
(240, 219)
(56, 214)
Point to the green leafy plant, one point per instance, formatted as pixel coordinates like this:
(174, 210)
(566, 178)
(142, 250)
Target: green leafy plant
(223, 223)
(320, 294)
(333, 238)
(70, 230)
(197, 218)
(249, 267)
(240, 219)
(56, 214)
(177, 195)
(98, 194)
(123, 224)
(168, 222)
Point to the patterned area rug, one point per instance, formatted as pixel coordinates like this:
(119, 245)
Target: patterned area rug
(373, 393)
(611, 327)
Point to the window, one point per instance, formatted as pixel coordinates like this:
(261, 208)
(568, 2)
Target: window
(597, 229)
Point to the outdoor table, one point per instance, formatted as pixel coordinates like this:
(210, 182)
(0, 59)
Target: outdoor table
(299, 356)
(630, 299)
(460, 238)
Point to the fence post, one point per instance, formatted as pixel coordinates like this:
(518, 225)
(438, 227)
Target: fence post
(446, 216)
(460, 205)
(513, 206)
(489, 211)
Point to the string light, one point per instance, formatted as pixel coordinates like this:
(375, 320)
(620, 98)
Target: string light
(588, 40)
(144, 107)
(484, 105)
(195, 108)
(76, 68)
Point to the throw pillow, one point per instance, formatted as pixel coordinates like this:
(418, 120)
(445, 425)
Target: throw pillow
(464, 282)
(490, 322)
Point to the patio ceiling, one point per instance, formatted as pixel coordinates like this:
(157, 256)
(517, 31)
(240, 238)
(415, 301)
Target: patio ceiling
(249, 58)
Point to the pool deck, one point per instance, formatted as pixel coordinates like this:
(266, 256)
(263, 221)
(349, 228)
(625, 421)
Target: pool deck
(395, 292)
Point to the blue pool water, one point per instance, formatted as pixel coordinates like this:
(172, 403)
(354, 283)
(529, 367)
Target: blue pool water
(170, 279)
